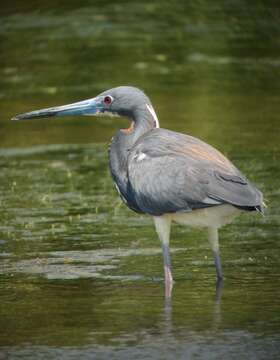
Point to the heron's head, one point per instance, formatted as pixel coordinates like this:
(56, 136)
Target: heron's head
(121, 101)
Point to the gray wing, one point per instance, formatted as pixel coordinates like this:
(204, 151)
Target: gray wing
(172, 172)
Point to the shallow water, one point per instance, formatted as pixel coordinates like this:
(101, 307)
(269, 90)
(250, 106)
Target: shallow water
(80, 275)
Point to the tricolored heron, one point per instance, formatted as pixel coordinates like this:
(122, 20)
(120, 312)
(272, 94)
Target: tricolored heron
(171, 176)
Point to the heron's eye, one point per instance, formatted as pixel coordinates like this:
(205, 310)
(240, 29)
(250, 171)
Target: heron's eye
(108, 100)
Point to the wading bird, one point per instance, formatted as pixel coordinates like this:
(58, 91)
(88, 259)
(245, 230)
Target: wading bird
(168, 175)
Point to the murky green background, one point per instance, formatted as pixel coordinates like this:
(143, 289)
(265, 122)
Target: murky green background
(80, 275)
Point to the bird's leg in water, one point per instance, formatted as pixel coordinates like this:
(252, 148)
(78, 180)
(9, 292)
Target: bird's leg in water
(167, 270)
(213, 239)
(162, 224)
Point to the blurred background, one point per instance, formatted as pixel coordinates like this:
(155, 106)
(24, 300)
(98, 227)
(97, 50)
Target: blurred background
(80, 274)
(210, 69)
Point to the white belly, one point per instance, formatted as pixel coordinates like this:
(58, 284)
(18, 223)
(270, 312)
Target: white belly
(215, 216)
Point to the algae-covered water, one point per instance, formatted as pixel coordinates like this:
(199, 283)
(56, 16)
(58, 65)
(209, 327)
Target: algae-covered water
(81, 275)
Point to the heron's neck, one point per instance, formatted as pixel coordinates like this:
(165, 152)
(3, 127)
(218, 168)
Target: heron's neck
(146, 117)
(144, 120)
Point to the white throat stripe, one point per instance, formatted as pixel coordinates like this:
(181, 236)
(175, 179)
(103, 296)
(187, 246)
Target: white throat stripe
(154, 115)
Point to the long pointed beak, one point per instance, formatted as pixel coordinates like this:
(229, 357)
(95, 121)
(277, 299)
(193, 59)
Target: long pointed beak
(86, 107)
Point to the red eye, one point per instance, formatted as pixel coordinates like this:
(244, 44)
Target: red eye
(108, 100)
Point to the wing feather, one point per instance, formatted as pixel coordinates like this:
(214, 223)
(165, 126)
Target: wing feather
(172, 172)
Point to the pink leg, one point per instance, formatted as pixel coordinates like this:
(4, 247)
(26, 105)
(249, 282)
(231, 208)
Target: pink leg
(168, 275)
(168, 282)
(168, 278)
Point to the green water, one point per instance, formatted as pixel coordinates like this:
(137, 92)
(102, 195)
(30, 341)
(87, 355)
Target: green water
(80, 274)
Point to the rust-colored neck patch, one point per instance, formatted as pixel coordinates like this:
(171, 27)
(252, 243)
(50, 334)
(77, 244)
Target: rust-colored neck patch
(130, 129)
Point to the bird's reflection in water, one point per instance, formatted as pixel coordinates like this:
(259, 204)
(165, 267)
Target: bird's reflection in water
(217, 317)
(219, 290)
(168, 309)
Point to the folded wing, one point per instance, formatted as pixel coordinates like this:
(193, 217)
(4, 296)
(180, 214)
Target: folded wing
(171, 172)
